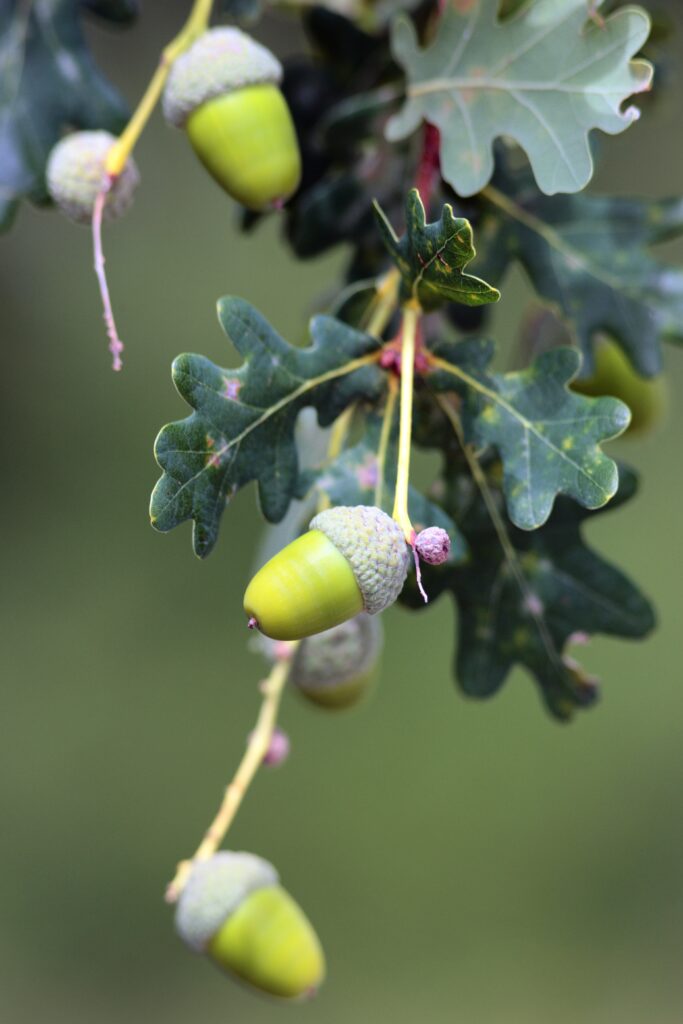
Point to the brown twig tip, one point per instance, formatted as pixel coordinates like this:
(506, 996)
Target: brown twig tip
(252, 623)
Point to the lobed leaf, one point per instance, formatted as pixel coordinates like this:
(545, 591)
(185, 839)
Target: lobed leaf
(545, 77)
(589, 256)
(242, 428)
(525, 607)
(432, 257)
(547, 436)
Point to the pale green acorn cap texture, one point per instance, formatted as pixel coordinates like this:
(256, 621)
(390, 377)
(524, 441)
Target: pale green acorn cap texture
(220, 61)
(375, 548)
(337, 655)
(76, 174)
(216, 887)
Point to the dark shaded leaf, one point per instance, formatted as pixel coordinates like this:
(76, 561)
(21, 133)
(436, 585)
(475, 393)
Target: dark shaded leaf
(242, 428)
(525, 610)
(590, 256)
(48, 83)
(432, 257)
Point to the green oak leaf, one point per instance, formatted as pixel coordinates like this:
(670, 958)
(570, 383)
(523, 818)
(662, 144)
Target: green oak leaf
(547, 436)
(351, 479)
(48, 82)
(589, 256)
(524, 607)
(545, 77)
(432, 257)
(242, 427)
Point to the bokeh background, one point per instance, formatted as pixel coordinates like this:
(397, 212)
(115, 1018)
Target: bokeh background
(462, 861)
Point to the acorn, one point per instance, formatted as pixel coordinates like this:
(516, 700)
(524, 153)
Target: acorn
(614, 375)
(234, 909)
(224, 91)
(336, 669)
(352, 559)
(76, 174)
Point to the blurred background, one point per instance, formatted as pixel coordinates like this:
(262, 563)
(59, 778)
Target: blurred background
(461, 861)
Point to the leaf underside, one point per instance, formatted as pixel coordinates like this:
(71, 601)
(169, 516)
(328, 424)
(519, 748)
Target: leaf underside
(545, 78)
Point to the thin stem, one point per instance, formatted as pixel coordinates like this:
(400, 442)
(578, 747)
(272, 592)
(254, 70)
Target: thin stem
(532, 602)
(196, 23)
(385, 303)
(385, 434)
(257, 747)
(411, 315)
(115, 343)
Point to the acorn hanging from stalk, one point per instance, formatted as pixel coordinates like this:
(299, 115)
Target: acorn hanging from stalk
(234, 909)
(224, 90)
(352, 559)
(76, 174)
(336, 669)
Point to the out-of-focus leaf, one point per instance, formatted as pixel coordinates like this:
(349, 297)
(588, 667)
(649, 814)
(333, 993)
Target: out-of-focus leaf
(590, 256)
(524, 607)
(351, 479)
(432, 257)
(545, 77)
(242, 10)
(242, 427)
(48, 82)
(547, 436)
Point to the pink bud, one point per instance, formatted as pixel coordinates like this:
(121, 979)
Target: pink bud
(433, 545)
(278, 751)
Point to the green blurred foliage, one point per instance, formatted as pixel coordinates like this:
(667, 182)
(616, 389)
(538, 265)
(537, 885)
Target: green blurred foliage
(461, 861)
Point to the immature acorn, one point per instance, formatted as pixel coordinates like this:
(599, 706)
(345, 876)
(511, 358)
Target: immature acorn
(76, 173)
(234, 909)
(224, 90)
(335, 669)
(352, 559)
(614, 375)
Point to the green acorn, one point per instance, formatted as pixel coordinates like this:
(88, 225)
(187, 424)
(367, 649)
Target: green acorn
(352, 559)
(614, 375)
(76, 174)
(335, 669)
(234, 909)
(224, 91)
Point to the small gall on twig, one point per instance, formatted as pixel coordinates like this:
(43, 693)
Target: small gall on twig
(278, 748)
(433, 546)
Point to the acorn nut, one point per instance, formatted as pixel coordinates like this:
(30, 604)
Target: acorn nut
(76, 174)
(352, 559)
(234, 909)
(224, 90)
(335, 669)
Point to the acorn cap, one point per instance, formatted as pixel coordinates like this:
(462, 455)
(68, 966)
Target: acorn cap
(216, 887)
(76, 173)
(373, 545)
(219, 61)
(338, 655)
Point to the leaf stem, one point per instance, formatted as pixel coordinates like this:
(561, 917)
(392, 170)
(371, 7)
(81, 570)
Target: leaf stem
(196, 23)
(532, 602)
(385, 434)
(257, 746)
(385, 303)
(411, 315)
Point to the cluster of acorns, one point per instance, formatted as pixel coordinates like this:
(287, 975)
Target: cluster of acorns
(324, 589)
(224, 91)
